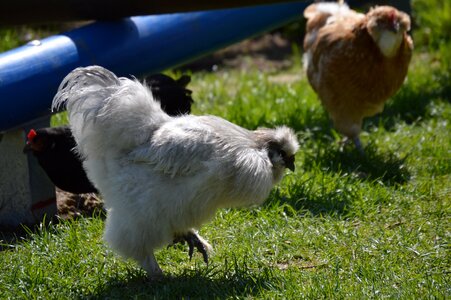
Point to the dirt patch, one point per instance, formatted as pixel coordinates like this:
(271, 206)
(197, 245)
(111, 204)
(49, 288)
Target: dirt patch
(76, 205)
(269, 52)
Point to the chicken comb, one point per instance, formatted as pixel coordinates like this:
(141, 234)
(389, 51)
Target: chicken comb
(31, 135)
(392, 15)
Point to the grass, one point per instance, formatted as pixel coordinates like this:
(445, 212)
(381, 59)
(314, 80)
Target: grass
(341, 226)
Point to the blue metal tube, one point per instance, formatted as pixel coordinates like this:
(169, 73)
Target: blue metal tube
(30, 75)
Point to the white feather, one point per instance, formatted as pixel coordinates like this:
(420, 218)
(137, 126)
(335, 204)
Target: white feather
(162, 176)
(389, 42)
(332, 8)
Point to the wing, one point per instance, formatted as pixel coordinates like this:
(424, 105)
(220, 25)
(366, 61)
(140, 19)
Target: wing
(182, 147)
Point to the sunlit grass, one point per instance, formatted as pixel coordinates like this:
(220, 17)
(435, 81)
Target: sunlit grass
(343, 226)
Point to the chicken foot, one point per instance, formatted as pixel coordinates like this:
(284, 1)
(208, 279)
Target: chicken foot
(194, 240)
(357, 143)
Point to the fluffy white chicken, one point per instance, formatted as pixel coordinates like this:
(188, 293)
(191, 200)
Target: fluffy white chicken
(161, 176)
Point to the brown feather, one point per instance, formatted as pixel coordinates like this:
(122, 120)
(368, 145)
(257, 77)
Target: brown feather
(347, 69)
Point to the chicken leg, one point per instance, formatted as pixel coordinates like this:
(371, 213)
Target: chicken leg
(358, 145)
(150, 265)
(347, 141)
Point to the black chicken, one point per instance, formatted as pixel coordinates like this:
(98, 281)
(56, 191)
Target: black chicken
(53, 148)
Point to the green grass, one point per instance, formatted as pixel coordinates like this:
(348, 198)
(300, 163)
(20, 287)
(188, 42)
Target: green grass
(342, 226)
(432, 21)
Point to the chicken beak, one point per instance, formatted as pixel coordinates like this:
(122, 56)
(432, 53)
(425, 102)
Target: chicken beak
(289, 163)
(395, 27)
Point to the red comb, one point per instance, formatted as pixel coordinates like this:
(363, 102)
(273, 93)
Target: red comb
(31, 135)
(392, 15)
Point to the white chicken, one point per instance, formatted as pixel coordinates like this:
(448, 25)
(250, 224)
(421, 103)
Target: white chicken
(161, 176)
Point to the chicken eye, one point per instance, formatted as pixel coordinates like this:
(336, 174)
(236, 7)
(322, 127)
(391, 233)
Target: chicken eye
(283, 153)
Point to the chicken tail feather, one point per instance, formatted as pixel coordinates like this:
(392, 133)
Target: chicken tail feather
(326, 8)
(107, 112)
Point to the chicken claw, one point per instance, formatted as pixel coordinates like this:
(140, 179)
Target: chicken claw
(194, 240)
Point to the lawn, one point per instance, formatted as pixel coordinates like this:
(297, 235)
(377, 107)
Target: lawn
(343, 226)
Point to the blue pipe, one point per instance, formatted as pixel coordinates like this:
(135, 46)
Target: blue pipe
(30, 75)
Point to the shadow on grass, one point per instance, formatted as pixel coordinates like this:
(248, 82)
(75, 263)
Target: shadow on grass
(411, 103)
(330, 199)
(374, 165)
(334, 188)
(11, 236)
(236, 281)
(407, 106)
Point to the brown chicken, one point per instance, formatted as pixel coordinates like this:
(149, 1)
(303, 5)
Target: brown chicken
(355, 62)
